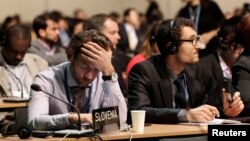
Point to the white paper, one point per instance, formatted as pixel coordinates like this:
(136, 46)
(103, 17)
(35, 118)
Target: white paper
(213, 122)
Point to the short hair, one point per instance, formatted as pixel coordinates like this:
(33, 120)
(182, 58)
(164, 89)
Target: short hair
(114, 15)
(40, 22)
(18, 31)
(226, 34)
(77, 11)
(7, 23)
(127, 12)
(170, 32)
(86, 25)
(85, 36)
(56, 15)
(98, 20)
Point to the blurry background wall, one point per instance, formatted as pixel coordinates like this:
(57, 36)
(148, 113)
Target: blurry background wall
(28, 9)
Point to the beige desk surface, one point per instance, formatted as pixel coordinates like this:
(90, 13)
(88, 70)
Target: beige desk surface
(154, 130)
(6, 105)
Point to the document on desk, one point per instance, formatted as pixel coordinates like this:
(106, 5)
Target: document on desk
(73, 132)
(213, 122)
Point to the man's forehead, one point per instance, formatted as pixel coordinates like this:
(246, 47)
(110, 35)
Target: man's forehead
(83, 61)
(51, 23)
(109, 24)
(187, 32)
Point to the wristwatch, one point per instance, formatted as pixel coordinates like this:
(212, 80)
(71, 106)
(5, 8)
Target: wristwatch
(112, 77)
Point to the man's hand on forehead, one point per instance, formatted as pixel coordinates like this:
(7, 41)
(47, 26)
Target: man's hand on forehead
(98, 56)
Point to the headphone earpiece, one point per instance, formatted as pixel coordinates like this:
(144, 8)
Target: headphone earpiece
(152, 39)
(24, 133)
(173, 50)
(223, 46)
(170, 46)
(4, 42)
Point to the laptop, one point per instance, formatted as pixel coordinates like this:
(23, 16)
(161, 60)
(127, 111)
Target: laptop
(85, 131)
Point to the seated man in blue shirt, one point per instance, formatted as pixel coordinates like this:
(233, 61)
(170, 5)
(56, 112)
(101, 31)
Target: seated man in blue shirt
(90, 67)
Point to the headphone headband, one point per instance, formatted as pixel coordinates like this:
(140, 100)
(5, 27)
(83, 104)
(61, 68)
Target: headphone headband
(171, 23)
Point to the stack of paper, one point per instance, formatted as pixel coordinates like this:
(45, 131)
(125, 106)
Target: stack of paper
(213, 122)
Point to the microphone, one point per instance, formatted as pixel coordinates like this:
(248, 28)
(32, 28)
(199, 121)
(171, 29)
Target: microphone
(37, 88)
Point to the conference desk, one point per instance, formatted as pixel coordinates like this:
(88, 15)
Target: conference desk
(151, 131)
(9, 106)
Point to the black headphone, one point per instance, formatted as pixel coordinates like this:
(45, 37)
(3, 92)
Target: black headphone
(24, 133)
(222, 45)
(5, 36)
(152, 39)
(171, 47)
(3, 42)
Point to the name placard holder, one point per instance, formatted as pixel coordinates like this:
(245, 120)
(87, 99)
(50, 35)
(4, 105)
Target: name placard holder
(106, 119)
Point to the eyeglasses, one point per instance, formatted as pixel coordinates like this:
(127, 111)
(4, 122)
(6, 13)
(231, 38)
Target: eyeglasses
(193, 41)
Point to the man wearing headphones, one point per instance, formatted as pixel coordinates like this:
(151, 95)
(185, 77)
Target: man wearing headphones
(17, 67)
(164, 86)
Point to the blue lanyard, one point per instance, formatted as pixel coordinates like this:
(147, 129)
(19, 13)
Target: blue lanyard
(69, 94)
(195, 17)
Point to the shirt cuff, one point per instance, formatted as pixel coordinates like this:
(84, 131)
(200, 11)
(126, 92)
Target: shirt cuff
(182, 115)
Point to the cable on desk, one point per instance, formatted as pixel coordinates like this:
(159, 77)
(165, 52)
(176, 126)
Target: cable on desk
(127, 129)
(5, 130)
(65, 137)
(93, 135)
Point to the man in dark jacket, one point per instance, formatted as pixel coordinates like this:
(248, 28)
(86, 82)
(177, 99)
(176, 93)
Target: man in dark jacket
(163, 85)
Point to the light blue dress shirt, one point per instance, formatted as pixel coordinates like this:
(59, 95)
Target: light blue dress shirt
(48, 113)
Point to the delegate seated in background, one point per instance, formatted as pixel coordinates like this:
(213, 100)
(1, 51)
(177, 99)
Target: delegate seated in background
(164, 86)
(107, 26)
(148, 49)
(129, 32)
(47, 32)
(207, 16)
(17, 67)
(90, 61)
(241, 67)
(216, 70)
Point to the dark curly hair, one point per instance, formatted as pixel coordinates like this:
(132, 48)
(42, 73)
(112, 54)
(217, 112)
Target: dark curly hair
(76, 42)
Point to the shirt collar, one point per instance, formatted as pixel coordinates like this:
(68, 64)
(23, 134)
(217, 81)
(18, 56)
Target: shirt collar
(222, 63)
(70, 79)
(173, 77)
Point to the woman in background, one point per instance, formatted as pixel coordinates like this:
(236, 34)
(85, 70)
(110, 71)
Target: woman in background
(241, 67)
(149, 48)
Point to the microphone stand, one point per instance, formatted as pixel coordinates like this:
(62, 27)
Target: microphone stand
(36, 87)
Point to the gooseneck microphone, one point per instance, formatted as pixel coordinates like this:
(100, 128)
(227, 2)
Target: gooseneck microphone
(37, 88)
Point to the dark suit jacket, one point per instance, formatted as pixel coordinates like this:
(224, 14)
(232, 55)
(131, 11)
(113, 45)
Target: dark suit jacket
(210, 16)
(212, 76)
(123, 43)
(241, 80)
(149, 88)
(120, 62)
